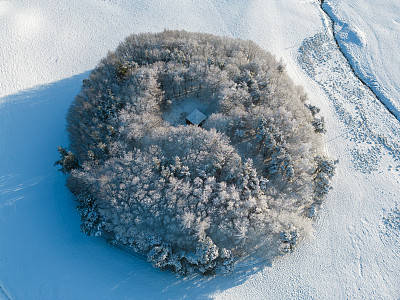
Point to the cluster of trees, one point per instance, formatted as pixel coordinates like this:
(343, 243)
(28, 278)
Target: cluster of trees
(188, 197)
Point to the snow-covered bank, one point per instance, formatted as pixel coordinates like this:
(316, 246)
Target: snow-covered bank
(43, 255)
(369, 36)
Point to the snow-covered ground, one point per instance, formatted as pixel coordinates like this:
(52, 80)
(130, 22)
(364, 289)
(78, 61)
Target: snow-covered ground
(46, 50)
(370, 35)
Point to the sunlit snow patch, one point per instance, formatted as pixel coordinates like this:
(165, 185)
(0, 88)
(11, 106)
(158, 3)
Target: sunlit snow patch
(28, 23)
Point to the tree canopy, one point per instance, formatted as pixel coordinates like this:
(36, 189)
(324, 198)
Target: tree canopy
(195, 198)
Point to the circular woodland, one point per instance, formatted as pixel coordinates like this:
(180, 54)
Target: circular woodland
(196, 151)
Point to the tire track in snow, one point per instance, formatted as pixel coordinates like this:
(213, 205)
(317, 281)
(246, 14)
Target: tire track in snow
(3, 294)
(359, 77)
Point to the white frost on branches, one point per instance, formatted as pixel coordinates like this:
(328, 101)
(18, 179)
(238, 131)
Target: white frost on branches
(195, 198)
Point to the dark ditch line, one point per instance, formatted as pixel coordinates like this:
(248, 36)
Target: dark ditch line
(351, 66)
(4, 294)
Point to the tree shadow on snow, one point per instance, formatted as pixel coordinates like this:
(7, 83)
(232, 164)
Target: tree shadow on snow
(32, 125)
(205, 287)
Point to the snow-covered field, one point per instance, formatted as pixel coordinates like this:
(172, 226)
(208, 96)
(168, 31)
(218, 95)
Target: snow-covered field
(370, 35)
(47, 49)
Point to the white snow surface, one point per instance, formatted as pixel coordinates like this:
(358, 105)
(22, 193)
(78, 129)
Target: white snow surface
(47, 49)
(370, 35)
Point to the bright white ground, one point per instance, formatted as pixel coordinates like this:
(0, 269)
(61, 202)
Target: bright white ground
(46, 50)
(370, 34)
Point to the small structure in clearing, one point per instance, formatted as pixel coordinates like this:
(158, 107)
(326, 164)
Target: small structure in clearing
(196, 118)
(240, 148)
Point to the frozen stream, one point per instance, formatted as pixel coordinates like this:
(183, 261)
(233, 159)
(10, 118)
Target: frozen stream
(353, 35)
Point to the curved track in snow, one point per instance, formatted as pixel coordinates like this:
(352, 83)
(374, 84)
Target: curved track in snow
(394, 112)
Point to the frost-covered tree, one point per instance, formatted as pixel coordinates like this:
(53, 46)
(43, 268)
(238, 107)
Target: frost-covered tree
(68, 161)
(195, 198)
